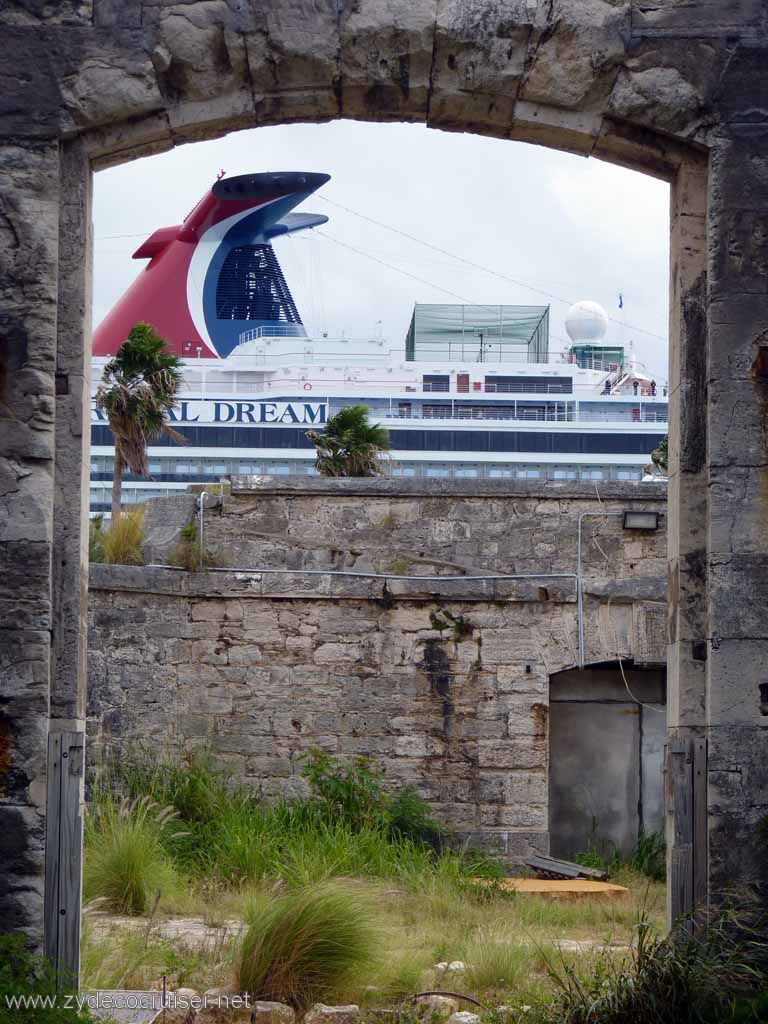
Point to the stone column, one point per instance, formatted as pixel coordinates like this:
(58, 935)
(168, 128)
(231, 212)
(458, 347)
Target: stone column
(29, 253)
(688, 504)
(737, 415)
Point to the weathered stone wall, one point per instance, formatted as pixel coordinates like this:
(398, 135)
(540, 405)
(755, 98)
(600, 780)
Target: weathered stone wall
(444, 527)
(444, 682)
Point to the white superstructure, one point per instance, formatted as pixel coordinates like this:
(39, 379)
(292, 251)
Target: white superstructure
(583, 416)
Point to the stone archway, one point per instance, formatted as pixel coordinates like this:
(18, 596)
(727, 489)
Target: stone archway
(675, 89)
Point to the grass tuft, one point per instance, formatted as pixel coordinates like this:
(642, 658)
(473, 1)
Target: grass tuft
(305, 945)
(121, 542)
(126, 865)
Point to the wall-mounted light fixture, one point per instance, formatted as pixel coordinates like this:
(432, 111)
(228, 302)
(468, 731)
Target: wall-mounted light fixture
(637, 520)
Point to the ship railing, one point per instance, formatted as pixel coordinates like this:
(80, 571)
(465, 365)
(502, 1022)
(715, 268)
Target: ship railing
(274, 331)
(504, 415)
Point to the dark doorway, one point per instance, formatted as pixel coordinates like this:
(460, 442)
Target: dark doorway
(605, 758)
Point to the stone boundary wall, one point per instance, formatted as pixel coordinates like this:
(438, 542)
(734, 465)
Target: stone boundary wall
(444, 682)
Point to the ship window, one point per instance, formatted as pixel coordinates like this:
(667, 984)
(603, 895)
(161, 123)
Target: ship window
(465, 471)
(564, 474)
(251, 286)
(436, 382)
(437, 471)
(404, 471)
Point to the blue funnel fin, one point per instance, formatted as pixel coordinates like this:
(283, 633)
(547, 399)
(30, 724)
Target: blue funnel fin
(295, 222)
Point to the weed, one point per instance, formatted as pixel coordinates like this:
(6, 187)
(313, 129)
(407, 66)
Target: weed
(400, 566)
(410, 818)
(649, 856)
(496, 961)
(189, 555)
(137, 958)
(304, 945)
(461, 627)
(95, 539)
(121, 542)
(681, 980)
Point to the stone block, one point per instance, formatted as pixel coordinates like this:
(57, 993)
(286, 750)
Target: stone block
(418, 746)
(520, 752)
(223, 1006)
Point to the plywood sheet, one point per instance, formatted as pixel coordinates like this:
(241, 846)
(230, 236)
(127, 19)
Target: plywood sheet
(572, 888)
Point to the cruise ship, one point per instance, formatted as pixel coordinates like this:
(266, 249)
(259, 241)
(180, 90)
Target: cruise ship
(471, 392)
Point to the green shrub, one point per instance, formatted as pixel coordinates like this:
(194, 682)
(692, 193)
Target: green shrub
(125, 863)
(23, 975)
(679, 980)
(121, 542)
(308, 944)
(351, 790)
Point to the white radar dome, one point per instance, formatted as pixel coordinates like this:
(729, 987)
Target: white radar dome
(586, 321)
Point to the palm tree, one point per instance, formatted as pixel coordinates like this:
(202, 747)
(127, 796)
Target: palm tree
(350, 445)
(138, 389)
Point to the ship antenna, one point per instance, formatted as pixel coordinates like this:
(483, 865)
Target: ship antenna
(220, 175)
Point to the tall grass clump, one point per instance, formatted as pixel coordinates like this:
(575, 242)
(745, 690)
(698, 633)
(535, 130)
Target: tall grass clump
(349, 825)
(683, 979)
(125, 862)
(121, 542)
(307, 944)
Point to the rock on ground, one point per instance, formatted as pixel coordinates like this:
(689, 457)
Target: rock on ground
(436, 1007)
(271, 1013)
(464, 1017)
(322, 1014)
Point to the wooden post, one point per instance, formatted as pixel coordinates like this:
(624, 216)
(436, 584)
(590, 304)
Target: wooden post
(63, 854)
(686, 799)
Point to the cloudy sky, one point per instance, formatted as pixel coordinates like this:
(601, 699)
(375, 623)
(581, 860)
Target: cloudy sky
(541, 221)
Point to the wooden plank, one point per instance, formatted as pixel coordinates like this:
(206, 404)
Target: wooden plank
(52, 858)
(563, 868)
(63, 855)
(679, 785)
(700, 831)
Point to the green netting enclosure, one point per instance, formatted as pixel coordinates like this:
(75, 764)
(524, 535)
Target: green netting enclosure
(478, 334)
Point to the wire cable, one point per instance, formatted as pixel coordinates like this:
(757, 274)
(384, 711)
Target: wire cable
(478, 266)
